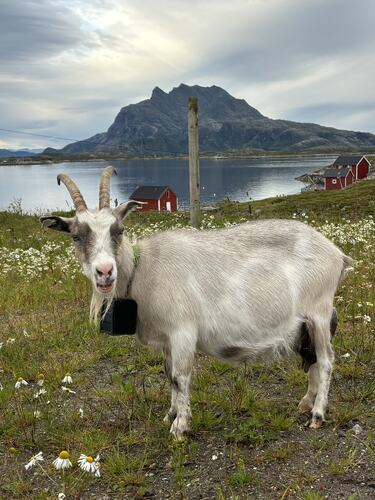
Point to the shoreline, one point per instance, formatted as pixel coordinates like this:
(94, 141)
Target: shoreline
(40, 161)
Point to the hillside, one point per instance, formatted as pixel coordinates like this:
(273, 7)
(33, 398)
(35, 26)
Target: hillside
(159, 126)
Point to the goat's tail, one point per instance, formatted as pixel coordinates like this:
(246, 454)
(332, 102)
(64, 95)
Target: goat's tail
(347, 265)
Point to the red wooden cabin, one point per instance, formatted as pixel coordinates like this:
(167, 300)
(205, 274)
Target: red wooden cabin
(338, 178)
(359, 165)
(159, 198)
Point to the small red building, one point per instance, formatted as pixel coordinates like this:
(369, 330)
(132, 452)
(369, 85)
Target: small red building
(159, 198)
(338, 178)
(359, 165)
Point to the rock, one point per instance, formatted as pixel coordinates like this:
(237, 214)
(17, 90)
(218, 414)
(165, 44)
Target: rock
(357, 429)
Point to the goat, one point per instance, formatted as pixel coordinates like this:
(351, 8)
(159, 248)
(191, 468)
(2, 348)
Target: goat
(255, 290)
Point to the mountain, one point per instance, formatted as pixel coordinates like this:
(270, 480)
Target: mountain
(159, 126)
(8, 153)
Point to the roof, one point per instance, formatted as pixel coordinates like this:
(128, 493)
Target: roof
(337, 172)
(148, 192)
(348, 160)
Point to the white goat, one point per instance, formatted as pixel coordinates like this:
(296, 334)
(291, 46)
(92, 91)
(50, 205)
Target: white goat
(254, 290)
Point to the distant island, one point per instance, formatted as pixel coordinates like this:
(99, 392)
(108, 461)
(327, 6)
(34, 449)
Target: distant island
(228, 126)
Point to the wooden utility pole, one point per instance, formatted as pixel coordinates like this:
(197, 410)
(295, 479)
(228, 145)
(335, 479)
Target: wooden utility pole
(195, 214)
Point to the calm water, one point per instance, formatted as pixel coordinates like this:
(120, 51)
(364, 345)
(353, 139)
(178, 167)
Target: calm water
(237, 179)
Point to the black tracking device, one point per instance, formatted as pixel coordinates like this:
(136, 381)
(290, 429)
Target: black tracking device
(121, 318)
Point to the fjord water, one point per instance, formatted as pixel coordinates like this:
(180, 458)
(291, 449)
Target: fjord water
(239, 180)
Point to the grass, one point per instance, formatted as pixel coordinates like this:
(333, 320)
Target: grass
(246, 417)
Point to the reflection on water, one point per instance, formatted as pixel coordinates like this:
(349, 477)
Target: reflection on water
(236, 179)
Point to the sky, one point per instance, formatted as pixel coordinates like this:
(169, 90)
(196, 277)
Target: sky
(68, 66)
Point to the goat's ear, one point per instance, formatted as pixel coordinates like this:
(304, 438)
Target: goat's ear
(125, 208)
(56, 223)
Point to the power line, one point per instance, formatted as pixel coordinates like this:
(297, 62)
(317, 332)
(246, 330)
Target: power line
(119, 148)
(41, 135)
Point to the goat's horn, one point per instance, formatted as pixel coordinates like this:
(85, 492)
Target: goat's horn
(104, 189)
(75, 193)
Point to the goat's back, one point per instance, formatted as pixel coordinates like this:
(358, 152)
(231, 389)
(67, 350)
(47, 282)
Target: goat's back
(258, 279)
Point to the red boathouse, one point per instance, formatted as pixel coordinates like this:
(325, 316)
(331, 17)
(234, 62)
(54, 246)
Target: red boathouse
(159, 198)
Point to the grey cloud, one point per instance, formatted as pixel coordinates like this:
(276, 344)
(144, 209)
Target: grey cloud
(33, 30)
(291, 39)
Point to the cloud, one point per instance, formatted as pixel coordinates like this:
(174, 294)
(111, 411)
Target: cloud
(69, 66)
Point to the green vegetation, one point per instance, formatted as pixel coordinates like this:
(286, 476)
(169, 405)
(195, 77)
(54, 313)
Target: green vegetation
(247, 440)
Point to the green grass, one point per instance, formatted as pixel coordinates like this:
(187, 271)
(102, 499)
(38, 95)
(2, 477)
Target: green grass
(246, 416)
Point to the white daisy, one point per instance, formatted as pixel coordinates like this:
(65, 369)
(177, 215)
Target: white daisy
(20, 382)
(34, 459)
(11, 340)
(80, 411)
(67, 379)
(66, 389)
(37, 414)
(62, 461)
(39, 393)
(61, 496)
(88, 464)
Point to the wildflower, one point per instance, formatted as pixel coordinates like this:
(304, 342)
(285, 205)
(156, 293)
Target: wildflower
(1, 386)
(40, 381)
(61, 496)
(366, 318)
(25, 334)
(214, 457)
(67, 379)
(80, 411)
(62, 461)
(12, 450)
(11, 341)
(88, 464)
(34, 459)
(66, 389)
(20, 382)
(39, 393)
(37, 414)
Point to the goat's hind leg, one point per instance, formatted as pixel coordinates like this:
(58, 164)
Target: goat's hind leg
(172, 412)
(324, 363)
(307, 402)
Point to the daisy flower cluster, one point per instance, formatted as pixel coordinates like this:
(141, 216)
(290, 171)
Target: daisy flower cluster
(349, 232)
(63, 462)
(34, 263)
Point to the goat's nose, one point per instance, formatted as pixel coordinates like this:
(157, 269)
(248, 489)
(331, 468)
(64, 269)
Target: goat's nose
(104, 270)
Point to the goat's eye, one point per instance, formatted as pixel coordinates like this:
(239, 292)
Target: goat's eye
(120, 232)
(75, 237)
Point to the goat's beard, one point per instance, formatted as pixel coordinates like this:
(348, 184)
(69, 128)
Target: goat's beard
(97, 302)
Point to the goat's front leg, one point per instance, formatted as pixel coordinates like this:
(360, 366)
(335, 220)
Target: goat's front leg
(179, 363)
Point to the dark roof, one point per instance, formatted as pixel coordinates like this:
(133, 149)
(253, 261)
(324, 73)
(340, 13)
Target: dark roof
(348, 160)
(336, 172)
(148, 192)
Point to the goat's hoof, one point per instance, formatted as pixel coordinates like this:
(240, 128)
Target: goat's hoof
(179, 430)
(316, 421)
(305, 406)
